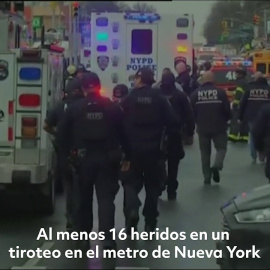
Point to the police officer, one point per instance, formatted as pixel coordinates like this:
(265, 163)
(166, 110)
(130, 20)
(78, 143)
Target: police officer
(51, 125)
(238, 131)
(119, 92)
(183, 77)
(76, 74)
(253, 99)
(96, 134)
(146, 114)
(212, 112)
(261, 135)
(175, 152)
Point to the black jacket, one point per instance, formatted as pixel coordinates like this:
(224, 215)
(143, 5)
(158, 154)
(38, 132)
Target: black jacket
(211, 109)
(241, 88)
(253, 99)
(184, 80)
(146, 138)
(261, 130)
(71, 134)
(182, 108)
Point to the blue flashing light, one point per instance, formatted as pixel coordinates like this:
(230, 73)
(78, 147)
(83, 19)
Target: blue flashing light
(102, 48)
(30, 74)
(182, 36)
(102, 22)
(142, 17)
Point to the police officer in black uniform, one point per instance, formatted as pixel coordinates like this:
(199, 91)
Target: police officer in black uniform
(146, 114)
(212, 112)
(253, 99)
(51, 125)
(184, 115)
(261, 135)
(96, 134)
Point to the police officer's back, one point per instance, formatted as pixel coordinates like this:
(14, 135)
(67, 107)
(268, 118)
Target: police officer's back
(212, 112)
(146, 114)
(183, 112)
(254, 98)
(95, 128)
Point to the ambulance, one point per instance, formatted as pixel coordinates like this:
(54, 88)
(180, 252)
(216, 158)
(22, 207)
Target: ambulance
(30, 83)
(121, 43)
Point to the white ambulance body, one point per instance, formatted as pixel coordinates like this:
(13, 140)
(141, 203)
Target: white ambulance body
(121, 43)
(30, 82)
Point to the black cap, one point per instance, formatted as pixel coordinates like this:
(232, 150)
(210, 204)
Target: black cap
(81, 68)
(146, 74)
(73, 84)
(90, 80)
(120, 91)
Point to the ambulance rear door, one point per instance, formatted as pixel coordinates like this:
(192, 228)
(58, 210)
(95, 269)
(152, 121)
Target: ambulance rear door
(7, 92)
(142, 48)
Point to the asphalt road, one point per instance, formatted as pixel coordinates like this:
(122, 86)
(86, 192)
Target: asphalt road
(197, 209)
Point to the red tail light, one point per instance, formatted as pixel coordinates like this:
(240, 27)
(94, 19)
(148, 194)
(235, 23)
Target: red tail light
(29, 122)
(29, 100)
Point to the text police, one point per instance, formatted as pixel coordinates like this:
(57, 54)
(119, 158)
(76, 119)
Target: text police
(207, 95)
(136, 63)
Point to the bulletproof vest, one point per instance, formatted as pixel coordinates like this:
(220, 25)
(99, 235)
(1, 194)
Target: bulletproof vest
(145, 110)
(94, 121)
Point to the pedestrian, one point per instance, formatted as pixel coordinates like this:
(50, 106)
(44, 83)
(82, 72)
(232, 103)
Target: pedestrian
(212, 113)
(239, 131)
(253, 99)
(184, 115)
(146, 115)
(119, 92)
(183, 77)
(95, 128)
(51, 125)
(168, 70)
(261, 135)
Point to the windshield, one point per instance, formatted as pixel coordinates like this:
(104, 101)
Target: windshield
(228, 76)
(205, 57)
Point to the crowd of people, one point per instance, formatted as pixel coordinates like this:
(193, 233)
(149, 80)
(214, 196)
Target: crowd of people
(137, 137)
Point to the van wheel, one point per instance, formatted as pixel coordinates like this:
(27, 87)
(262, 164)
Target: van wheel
(47, 200)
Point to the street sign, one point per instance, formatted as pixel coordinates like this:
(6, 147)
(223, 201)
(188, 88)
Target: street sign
(37, 22)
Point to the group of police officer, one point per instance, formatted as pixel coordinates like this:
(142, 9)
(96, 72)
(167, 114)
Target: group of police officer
(100, 141)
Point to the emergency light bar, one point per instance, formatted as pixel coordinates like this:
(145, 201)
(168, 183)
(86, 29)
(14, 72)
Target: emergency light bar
(233, 63)
(142, 17)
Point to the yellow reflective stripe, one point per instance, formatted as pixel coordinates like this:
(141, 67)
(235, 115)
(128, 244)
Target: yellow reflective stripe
(232, 136)
(239, 89)
(236, 101)
(244, 138)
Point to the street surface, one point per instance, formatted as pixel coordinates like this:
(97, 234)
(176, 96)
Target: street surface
(197, 209)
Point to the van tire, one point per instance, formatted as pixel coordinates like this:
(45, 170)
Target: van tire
(47, 200)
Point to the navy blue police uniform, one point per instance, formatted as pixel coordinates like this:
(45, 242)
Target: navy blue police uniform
(212, 113)
(146, 115)
(253, 99)
(95, 143)
(53, 120)
(184, 115)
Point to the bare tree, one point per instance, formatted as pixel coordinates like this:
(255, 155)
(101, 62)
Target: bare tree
(143, 7)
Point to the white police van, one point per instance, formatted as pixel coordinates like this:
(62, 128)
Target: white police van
(30, 82)
(121, 43)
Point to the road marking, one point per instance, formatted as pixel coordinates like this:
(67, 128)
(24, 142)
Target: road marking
(31, 263)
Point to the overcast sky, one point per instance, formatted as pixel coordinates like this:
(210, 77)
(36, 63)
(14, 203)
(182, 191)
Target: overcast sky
(200, 10)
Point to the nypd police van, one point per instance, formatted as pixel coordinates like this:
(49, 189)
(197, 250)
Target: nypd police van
(121, 43)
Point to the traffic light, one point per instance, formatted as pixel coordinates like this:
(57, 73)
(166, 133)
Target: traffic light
(256, 19)
(18, 6)
(75, 9)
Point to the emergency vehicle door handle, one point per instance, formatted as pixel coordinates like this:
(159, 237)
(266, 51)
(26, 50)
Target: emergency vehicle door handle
(49, 93)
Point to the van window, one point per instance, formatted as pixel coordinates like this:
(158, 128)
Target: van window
(261, 68)
(142, 41)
